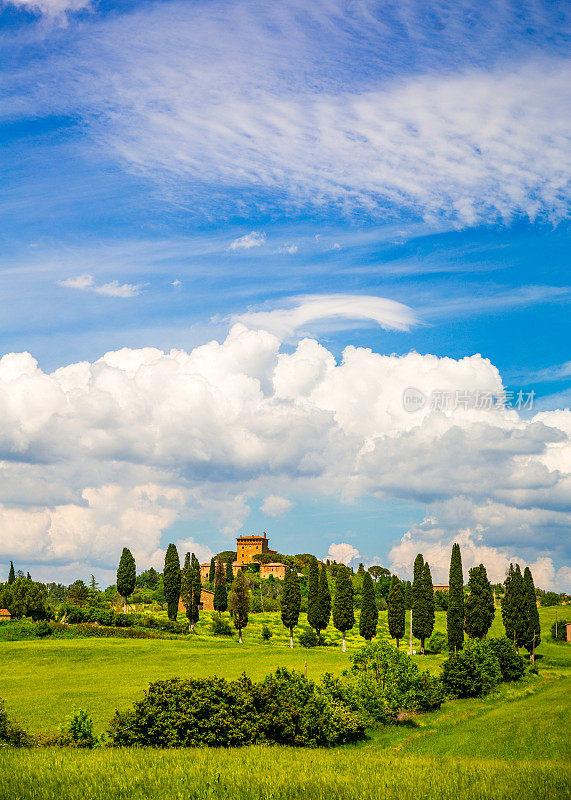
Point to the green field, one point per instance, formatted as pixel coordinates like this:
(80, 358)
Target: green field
(510, 744)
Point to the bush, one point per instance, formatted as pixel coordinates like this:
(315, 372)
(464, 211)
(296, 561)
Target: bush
(548, 599)
(285, 708)
(77, 731)
(561, 630)
(266, 633)
(220, 627)
(43, 629)
(511, 664)
(10, 733)
(473, 671)
(438, 643)
(308, 638)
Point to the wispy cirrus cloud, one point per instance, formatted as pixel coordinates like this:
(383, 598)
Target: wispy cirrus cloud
(86, 283)
(249, 240)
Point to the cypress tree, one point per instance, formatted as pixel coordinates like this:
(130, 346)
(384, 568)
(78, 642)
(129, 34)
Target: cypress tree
(408, 596)
(423, 606)
(369, 611)
(172, 580)
(455, 613)
(479, 607)
(229, 570)
(11, 574)
(220, 595)
(395, 609)
(323, 602)
(190, 589)
(212, 570)
(290, 602)
(126, 576)
(313, 594)
(239, 603)
(532, 615)
(418, 611)
(515, 608)
(343, 613)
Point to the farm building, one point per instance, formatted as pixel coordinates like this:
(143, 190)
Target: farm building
(246, 548)
(5, 615)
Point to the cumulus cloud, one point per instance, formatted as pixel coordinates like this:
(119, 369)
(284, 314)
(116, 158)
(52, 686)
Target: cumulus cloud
(249, 240)
(94, 455)
(276, 506)
(343, 553)
(86, 283)
(52, 8)
(304, 310)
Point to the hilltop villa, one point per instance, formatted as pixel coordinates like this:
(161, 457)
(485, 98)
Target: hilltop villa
(246, 548)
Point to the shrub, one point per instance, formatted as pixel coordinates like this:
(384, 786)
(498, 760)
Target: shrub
(308, 638)
(10, 733)
(438, 642)
(473, 671)
(561, 630)
(77, 731)
(266, 633)
(548, 599)
(284, 708)
(220, 627)
(43, 629)
(511, 664)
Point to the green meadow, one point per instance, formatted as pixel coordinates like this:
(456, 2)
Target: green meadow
(511, 744)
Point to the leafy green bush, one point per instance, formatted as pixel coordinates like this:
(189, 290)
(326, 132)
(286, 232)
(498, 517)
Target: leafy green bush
(10, 733)
(220, 627)
(473, 671)
(308, 638)
(548, 599)
(438, 642)
(561, 630)
(511, 664)
(77, 731)
(285, 708)
(266, 633)
(43, 629)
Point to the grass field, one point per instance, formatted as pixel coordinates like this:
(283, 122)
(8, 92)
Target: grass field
(510, 744)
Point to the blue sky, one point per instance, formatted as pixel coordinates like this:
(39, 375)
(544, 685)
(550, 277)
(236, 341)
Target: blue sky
(172, 169)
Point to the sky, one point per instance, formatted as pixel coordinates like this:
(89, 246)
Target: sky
(285, 267)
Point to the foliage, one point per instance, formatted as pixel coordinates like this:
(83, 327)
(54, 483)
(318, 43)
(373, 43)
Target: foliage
(511, 664)
(455, 613)
(343, 612)
(10, 733)
(395, 609)
(172, 580)
(212, 570)
(290, 602)
(423, 601)
(441, 600)
(369, 612)
(220, 627)
(239, 603)
(191, 588)
(313, 616)
(285, 708)
(266, 633)
(533, 637)
(229, 572)
(479, 607)
(561, 630)
(77, 593)
(514, 607)
(25, 598)
(309, 638)
(77, 731)
(549, 599)
(11, 574)
(438, 642)
(126, 575)
(43, 629)
(220, 594)
(473, 671)
(323, 601)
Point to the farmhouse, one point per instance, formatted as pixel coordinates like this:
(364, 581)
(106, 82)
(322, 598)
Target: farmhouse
(5, 615)
(273, 568)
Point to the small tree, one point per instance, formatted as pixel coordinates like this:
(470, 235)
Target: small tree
(313, 594)
(455, 613)
(395, 609)
(11, 574)
(239, 603)
(323, 602)
(515, 608)
(533, 637)
(212, 570)
(126, 576)
(418, 609)
(229, 570)
(220, 595)
(369, 611)
(343, 612)
(190, 589)
(172, 581)
(479, 607)
(290, 602)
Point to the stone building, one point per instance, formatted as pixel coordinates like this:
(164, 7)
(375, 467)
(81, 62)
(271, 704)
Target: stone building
(273, 568)
(249, 546)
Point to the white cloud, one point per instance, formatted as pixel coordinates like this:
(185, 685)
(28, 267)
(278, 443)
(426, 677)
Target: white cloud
(343, 553)
(304, 310)
(51, 8)
(98, 454)
(249, 240)
(276, 506)
(288, 249)
(111, 289)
